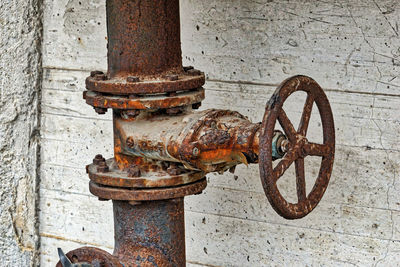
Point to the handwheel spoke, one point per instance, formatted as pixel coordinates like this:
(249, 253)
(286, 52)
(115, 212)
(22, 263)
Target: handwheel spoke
(284, 164)
(314, 149)
(300, 179)
(305, 117)
(287, 125)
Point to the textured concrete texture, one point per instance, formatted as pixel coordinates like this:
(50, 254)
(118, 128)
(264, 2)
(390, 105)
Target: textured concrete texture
(246, 48)
(20, 79)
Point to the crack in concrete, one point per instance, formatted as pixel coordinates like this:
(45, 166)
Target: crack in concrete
(381, 134)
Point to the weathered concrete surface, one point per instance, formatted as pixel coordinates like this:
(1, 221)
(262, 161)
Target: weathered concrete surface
(246, 48)
(20, 79)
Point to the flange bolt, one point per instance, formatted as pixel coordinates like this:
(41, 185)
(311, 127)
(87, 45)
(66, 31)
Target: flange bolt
(174, 111)
(194, 72)
(100, 77)
(173, 169)
(100, 111)
(102, 167)
(98, 158)
(187, 68)
(196, 105)
(134, 171)
(130, 113)
(94, 73)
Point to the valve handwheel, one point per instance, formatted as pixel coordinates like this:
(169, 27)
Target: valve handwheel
(298, 147)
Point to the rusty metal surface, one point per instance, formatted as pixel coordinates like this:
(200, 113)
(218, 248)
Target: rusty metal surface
(143, 38)
(218, 141)
(144, 50)
(93, 256)
(151, 233)
(138, 176)
(298, 147)
(211, 140)
(146, 85)
(163, 149)
(144, 102)
(149, 136)
(130, 194)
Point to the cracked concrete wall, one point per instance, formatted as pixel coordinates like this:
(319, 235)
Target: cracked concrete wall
(246, 48)
(20, 81)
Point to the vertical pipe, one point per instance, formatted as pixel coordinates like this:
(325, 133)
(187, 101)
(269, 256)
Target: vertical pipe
(143, 37)
(144, 41)
(151, 232)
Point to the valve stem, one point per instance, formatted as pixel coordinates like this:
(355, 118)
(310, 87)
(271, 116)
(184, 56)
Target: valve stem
(280, 145)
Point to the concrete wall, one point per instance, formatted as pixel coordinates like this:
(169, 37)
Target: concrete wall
(247, 48)
(20, 78)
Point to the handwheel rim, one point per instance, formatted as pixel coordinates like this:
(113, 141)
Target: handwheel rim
(269, 174)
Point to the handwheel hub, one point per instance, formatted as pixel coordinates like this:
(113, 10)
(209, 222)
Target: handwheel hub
(301, 141)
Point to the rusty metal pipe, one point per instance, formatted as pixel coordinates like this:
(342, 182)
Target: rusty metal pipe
(150, 233)
(143, 37)
(163, 149)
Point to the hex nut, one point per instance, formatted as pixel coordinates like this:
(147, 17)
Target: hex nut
(196, 105)
(187, 68)
(284, 145)
(174, 170)
(134, 171)
(174, 111)
(194, 72)
(100, 77)
(130, 113)
(130, 142)
(165, 165)
(94, 73)
(100, 111)
(102, 167)
(98, 158)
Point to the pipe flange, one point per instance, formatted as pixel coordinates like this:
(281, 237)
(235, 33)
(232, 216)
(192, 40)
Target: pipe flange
(92, 256)
(113, 176)
(145, 85)
(99, 100)
(125, 194)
